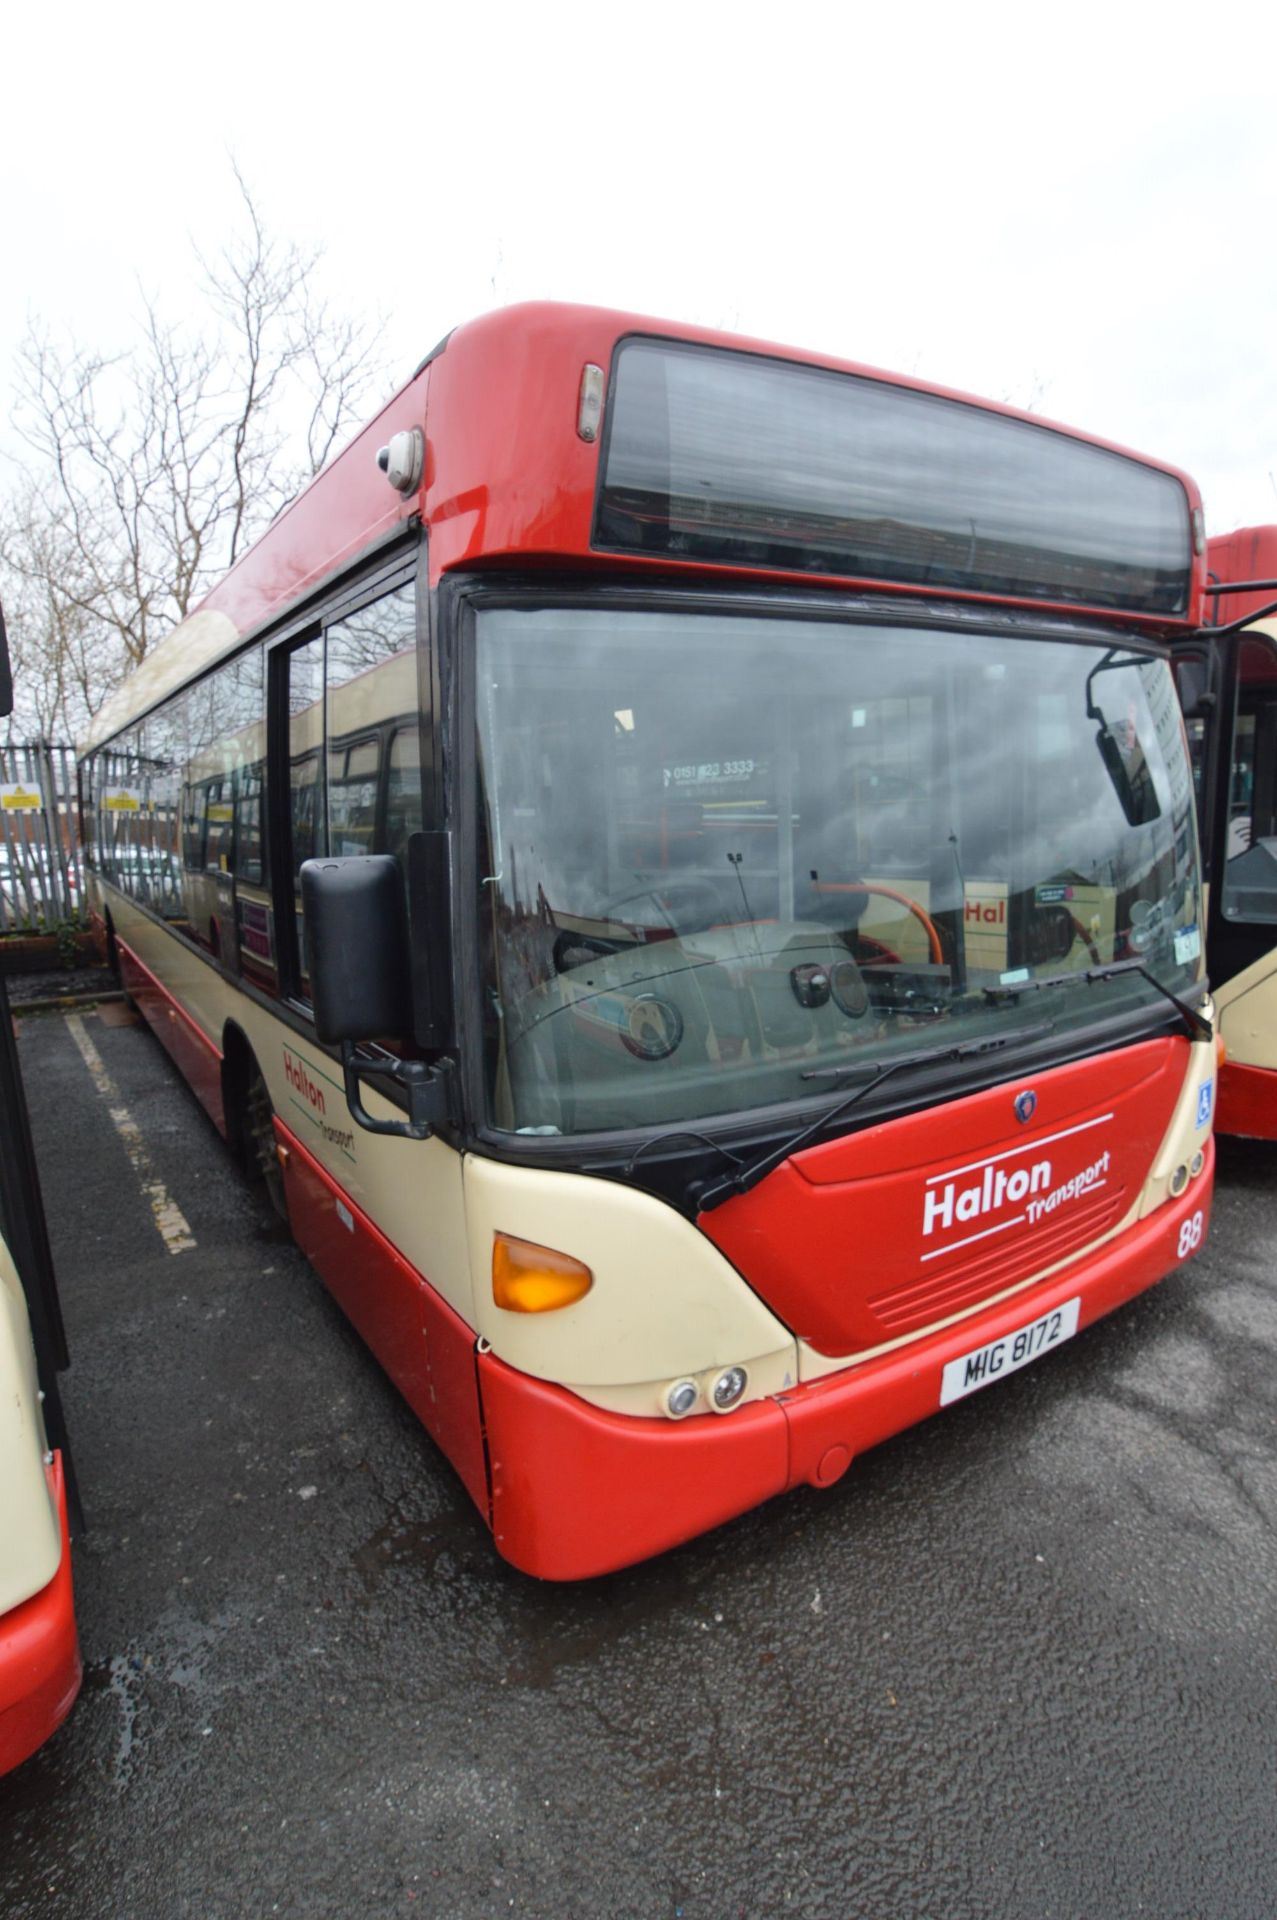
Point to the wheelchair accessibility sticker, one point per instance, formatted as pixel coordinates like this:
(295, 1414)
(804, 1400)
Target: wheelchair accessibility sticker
(1205, 1098)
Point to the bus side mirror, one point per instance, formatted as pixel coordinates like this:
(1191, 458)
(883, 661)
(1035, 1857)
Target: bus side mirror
(356, 947)
(356, 936)
(1135, 791)
(6, 677)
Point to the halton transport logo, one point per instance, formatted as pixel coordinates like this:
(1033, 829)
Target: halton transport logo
(310, 1090)
(975, 1200)
(309, 1096)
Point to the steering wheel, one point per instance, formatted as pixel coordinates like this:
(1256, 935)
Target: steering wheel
(889, 893)
(566, 943)
(683, 906)
(686, 903)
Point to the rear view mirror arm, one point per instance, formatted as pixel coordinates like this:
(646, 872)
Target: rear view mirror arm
(426, 1088)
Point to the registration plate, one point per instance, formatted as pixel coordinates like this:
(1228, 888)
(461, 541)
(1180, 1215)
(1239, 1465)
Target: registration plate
(1014, 1350)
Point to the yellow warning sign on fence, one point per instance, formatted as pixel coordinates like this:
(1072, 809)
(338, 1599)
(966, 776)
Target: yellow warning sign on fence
(20, 799)
(122, 800)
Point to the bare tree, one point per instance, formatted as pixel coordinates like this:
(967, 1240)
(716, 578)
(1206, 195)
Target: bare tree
(148, 471)
(65, 661)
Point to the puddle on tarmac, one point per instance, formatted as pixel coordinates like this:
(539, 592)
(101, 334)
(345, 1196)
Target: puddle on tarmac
(123, 1677)
(409, 1543)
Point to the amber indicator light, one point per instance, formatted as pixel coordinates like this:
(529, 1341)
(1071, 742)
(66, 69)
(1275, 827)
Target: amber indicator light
(527, 1278)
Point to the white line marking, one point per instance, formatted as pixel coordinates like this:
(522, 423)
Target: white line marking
(973, 1237)
(170, 1221)
(1030, 1146)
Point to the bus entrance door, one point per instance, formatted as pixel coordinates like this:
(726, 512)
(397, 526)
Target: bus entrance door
(1242, 939)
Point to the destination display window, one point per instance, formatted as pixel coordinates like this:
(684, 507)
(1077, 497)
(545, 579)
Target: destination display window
(757, 462)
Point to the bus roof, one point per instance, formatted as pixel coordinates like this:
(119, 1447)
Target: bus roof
(1248, 553)
(509, 479)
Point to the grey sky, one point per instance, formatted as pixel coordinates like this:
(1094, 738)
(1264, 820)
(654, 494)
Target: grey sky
(1066, 207)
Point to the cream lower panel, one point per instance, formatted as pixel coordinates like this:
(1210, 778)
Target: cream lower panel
(1248, 1013)
(1184, 1137)
(664, 1305)
(30, 1530)
(410, 1189)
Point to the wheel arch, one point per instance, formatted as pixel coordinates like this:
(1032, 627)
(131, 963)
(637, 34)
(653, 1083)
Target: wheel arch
(238, 1062)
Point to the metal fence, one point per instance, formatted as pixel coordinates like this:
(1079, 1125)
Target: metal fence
(41, 875)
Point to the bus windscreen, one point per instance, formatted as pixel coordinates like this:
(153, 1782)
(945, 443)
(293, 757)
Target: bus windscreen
(733, 458)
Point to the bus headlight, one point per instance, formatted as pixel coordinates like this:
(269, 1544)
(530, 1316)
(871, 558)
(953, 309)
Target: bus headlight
(681, 1398)
(728, 1388)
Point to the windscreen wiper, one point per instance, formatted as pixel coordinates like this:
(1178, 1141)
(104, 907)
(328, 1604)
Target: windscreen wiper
(1196, 1023)
(747, 1176)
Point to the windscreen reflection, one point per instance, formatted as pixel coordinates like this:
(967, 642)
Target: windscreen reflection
(720, 852)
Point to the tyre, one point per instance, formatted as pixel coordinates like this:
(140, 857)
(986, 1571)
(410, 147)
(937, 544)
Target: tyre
(259, 1146)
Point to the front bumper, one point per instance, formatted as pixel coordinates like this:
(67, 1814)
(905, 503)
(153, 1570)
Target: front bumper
(40, 1668)
(577, 1491)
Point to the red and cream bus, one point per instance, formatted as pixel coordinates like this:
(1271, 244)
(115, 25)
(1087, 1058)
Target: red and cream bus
(675, 860)
(1228, 684)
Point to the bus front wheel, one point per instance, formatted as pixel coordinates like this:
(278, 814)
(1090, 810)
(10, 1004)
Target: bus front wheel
(254, 1125)
(261, 1143)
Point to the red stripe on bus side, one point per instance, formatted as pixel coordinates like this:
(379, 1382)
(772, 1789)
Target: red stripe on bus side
(186, 1042)
(425, 1347)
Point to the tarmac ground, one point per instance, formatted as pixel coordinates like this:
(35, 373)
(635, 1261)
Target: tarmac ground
(1020, 1662)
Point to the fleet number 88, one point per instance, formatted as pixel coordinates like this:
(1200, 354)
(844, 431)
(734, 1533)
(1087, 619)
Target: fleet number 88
(1190, 1235)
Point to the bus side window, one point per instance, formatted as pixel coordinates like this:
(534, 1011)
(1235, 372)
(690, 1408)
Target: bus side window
(219, 823)
(164, 753)
(372, 681)
(192, 828)
(305, 745)
(248, 823)
(1250, 852)
(352, 798)
(345, 688)
(122, 803)
(304, 809)
(241, 717)
(403, 789)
